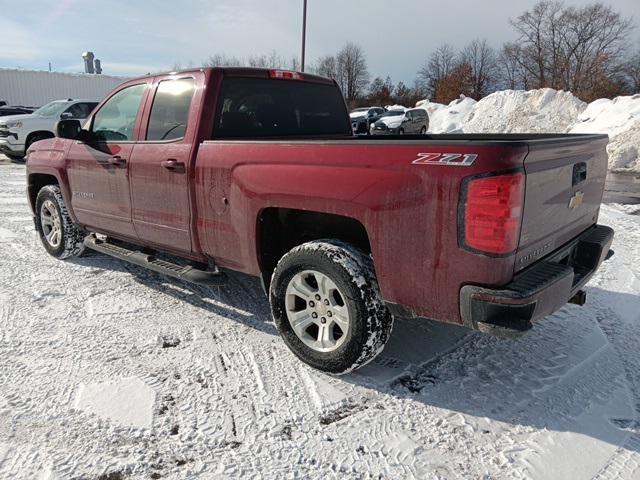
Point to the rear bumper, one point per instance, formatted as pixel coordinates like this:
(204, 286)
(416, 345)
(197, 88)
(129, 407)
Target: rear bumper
(538, 291)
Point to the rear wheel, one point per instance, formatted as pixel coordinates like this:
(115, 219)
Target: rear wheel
(327, 306)
(60, 237)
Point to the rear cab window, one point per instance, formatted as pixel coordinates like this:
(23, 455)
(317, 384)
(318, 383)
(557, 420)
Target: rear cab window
(170, 109)
(263, 108)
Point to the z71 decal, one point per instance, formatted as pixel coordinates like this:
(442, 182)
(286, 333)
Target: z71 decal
(453, 159)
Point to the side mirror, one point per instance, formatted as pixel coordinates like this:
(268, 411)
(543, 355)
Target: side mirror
(70, 129)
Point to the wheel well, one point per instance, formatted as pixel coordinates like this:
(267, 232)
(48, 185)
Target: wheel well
(281, 229)
(44, 133)
(36, 182)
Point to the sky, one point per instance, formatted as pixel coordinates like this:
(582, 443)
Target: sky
(134, 37)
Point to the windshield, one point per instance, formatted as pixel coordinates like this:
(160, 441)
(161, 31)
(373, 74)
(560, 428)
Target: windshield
(51, 109)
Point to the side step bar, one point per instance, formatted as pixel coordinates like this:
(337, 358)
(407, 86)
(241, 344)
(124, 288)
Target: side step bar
(186, 272)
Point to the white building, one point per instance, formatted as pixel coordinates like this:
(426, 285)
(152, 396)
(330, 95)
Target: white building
(35, 88)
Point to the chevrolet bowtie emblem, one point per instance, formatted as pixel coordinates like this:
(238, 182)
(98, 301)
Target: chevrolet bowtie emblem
(576, 200)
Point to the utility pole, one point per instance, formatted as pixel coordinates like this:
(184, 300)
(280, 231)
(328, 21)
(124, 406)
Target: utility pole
(304, 33)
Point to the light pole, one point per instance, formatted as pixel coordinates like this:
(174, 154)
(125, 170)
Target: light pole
(304, 33)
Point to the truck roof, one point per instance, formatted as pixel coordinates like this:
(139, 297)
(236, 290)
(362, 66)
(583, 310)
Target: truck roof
(249, 72)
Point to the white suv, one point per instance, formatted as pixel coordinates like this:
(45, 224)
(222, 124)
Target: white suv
(18, 132)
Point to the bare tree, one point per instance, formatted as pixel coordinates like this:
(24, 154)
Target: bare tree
(578, 49)
(482, 60)
(327, 66)
(513, 75)
(458, 81)
(352, 73)
(538, 42)
(221, 60)
(632, 70)
(272, 60)
(439, 65)
(381, 91)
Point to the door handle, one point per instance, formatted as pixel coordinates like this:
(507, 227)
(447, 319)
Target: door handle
(117, 160)
(173, 165)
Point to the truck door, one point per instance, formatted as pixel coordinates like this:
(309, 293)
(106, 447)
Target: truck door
(98, 168)
(160, 164)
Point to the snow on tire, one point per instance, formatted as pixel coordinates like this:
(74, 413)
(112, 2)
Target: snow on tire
(60, 237)
(326, 303)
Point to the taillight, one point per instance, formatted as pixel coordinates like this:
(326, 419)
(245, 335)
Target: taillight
(286, 74)
(493, 213)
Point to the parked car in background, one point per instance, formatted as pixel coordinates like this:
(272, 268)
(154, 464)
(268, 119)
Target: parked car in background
(19, 132)
(362, 118)
(6, 111)
(411, 122)
(390, 119)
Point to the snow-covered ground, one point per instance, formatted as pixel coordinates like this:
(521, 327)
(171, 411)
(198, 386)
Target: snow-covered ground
(546, 111)
(108, 371)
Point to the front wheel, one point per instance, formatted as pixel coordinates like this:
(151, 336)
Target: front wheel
(60, 237)
(327, 306)
(35, 138)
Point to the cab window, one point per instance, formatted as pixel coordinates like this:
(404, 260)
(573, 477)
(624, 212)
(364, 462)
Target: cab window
(259, 108)
(116, 119)
(79, 110)
(170, 109)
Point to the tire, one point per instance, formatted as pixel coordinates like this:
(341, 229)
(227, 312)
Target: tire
(15, 158)
(51, 213)
(356, 298)
(35, 138)
(423, 130)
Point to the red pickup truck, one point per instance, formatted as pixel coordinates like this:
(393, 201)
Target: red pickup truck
(255, 170)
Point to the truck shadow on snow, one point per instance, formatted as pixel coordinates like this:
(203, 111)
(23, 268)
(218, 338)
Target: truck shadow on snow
(576, 371)
(241, 299)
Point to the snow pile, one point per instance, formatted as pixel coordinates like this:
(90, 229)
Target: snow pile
(396, 107)
(448, 118)
(536, 111)
(620, 119)
(546, 111)
(624, 150)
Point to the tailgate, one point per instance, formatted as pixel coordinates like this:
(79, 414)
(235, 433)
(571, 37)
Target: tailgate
(564, 185)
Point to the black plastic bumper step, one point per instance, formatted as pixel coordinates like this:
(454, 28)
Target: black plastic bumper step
(184, 272)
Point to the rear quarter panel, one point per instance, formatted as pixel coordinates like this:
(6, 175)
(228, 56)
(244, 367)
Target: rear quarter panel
(408, 210)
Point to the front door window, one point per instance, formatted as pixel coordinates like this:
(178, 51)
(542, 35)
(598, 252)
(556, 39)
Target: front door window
(116, 119)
